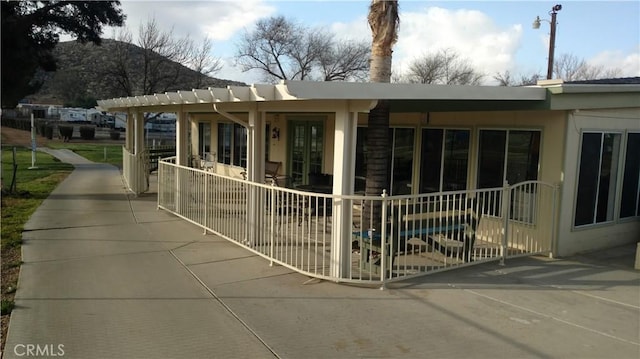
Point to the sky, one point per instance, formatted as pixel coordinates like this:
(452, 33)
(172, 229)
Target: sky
(494, 36)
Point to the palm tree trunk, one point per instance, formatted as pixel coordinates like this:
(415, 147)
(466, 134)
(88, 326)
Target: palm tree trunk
(377, 163)
(383, 20)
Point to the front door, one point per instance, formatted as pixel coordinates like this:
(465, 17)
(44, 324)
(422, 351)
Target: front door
(306, 148)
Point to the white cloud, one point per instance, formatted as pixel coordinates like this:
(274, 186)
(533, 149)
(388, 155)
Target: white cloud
(231, 72)
(470, 33)
(219, 20)
(357, 29)
(628, 63)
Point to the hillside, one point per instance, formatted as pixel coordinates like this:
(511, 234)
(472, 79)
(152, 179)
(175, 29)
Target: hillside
(87, 72)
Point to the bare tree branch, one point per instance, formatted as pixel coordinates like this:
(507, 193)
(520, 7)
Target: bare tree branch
(444, 67)
(160, 63)
(281, 49)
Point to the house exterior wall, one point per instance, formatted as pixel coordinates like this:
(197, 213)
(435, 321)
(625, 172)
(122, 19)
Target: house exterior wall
(602, 235)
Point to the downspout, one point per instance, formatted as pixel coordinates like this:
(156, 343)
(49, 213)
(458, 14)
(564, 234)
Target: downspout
(235, 119)
(230, 116)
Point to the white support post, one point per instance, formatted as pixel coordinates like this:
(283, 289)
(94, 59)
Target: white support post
(182, 140)
(139, 176)
(130, 132)
(344, 155)
(195, 138)
(182, 185)
(139, 133)
(255, 170)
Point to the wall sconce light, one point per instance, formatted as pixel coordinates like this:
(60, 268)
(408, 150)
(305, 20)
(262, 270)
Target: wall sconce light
(275, 133)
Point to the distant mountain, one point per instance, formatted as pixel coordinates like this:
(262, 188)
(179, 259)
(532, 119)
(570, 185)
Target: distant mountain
(85, 73)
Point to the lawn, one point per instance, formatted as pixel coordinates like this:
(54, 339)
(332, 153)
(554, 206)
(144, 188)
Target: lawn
(94, 152)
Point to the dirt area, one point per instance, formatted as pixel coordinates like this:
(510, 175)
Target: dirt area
(14, 137)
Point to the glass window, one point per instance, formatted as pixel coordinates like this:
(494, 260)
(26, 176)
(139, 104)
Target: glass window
(361, 160)
(630, 204)
(224, 143)
(400, 159)
(232, 144)
(597, 177)
(507, 155)
(239, 146)
(204, 138)
(491, 158)
(444, 160)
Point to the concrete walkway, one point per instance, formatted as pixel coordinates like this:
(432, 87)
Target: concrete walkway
(106, 275)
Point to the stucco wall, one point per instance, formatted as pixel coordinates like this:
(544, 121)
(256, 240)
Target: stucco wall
(616, 232)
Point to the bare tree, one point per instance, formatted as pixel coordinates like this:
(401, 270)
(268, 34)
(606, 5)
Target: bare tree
(566, 67)
(268, 47)
(443, 67)
(507, 79)
(346, 60)
(160, 61)
(203, 63)
(571, 68)
(282, 49)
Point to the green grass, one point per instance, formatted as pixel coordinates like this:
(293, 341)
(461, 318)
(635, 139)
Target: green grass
(32, 187)
(93, 152)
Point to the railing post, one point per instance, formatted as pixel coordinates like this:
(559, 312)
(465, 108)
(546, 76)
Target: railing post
(206, 202)
(383, 239)
(506, 212)
(554, 207)
(272, 191)
(160, 197)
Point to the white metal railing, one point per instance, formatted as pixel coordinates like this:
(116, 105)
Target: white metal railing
(416, 234)
(135, 170)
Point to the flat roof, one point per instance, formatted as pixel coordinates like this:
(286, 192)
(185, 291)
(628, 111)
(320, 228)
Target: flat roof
(402, 97)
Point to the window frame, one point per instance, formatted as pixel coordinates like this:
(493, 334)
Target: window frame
(506, 152)
(625, 150)
(507, 130)
(202, 137)
(391, 163)
(242, 157)
(617, 183)
(442, 155)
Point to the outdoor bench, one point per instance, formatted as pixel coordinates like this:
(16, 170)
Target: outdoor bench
(444, 231)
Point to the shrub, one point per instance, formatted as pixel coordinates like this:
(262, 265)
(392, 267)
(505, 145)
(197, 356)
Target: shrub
(87, 132)
(7, 306)
(48, 131)
(114, 134)
(66, 132)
